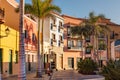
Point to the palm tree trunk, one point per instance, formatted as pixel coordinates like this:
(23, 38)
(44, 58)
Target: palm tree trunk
(41, 42)
(94, 54)
(39, 72)
(97, 49)
(22, 71)
(83, 50)
(83, 47)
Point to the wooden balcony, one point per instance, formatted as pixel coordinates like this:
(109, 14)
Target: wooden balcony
(1, 16)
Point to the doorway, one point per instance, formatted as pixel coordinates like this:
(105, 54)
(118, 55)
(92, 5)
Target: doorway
(29, 63)
(1, 60)
(10, 62)
(71, 62)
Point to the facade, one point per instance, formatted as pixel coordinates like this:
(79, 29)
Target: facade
(53, 41)
(9, 49)
(30, 31)
(72, 46)
(76, 49)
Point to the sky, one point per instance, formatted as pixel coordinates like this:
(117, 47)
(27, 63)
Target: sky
(82, 8)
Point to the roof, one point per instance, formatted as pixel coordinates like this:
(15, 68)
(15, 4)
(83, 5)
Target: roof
(13, 3)
(72, 17)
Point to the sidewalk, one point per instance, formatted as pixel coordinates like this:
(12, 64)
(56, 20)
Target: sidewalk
(29, 76)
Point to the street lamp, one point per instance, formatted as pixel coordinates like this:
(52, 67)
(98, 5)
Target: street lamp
(7, 32)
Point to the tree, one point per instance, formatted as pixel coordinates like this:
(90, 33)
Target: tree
(112, 70)
(41, 9)
(87, 66)
(83, 31)
(22, 73)
(97, 28)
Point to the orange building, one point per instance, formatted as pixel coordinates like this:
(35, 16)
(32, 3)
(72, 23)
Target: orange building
(72, 46)
(73, 49)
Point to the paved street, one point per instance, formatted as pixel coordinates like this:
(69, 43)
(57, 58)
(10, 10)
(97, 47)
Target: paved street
(73, 75)
(60, 75)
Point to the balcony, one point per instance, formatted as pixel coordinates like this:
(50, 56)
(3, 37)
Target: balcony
(75, 48)
(60, 43)
(60, 29)
(53, 42)
(53, 27)
(1, 16)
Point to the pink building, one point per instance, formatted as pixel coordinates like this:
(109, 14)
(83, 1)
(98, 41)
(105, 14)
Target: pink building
(30, 31)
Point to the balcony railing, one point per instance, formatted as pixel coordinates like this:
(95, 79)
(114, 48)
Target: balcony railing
(75, 48)
(60, 29)
(1, 15)
(53, 27)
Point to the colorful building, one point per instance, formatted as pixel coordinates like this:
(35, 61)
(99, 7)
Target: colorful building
(73, 49)
(10, 44)
(53, 41)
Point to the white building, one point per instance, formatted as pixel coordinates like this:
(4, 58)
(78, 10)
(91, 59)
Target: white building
(53, 41)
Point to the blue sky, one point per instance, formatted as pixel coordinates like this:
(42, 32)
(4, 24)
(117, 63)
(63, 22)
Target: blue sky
(82, 8)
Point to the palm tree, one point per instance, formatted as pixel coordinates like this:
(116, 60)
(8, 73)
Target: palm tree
(90, 27)
(97, 28)
(83, 31)
(22, 73)
(41, 9)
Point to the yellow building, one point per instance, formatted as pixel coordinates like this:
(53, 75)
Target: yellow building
(8, 50)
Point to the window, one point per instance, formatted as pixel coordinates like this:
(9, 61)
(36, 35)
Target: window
(101, 35)
(26, 34)
(88, 39)
(51, 42)
(60, 24)
(58, 42)
(16, 56)
(58, 28)
(68, 31)
(54, 21)
(79, 43)
(33, 37)
(69, 44)
(88, 50)
(72, 43)
(60, 38)
(112, 35)
(51, 26)
(53, 36)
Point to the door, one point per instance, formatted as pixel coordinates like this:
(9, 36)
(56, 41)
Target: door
(71, 62)
(10, 61)
(29, 64)
(62, 61)
(1, 63)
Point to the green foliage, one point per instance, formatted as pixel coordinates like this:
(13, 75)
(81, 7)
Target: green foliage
(112, 70)
(87, 66)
